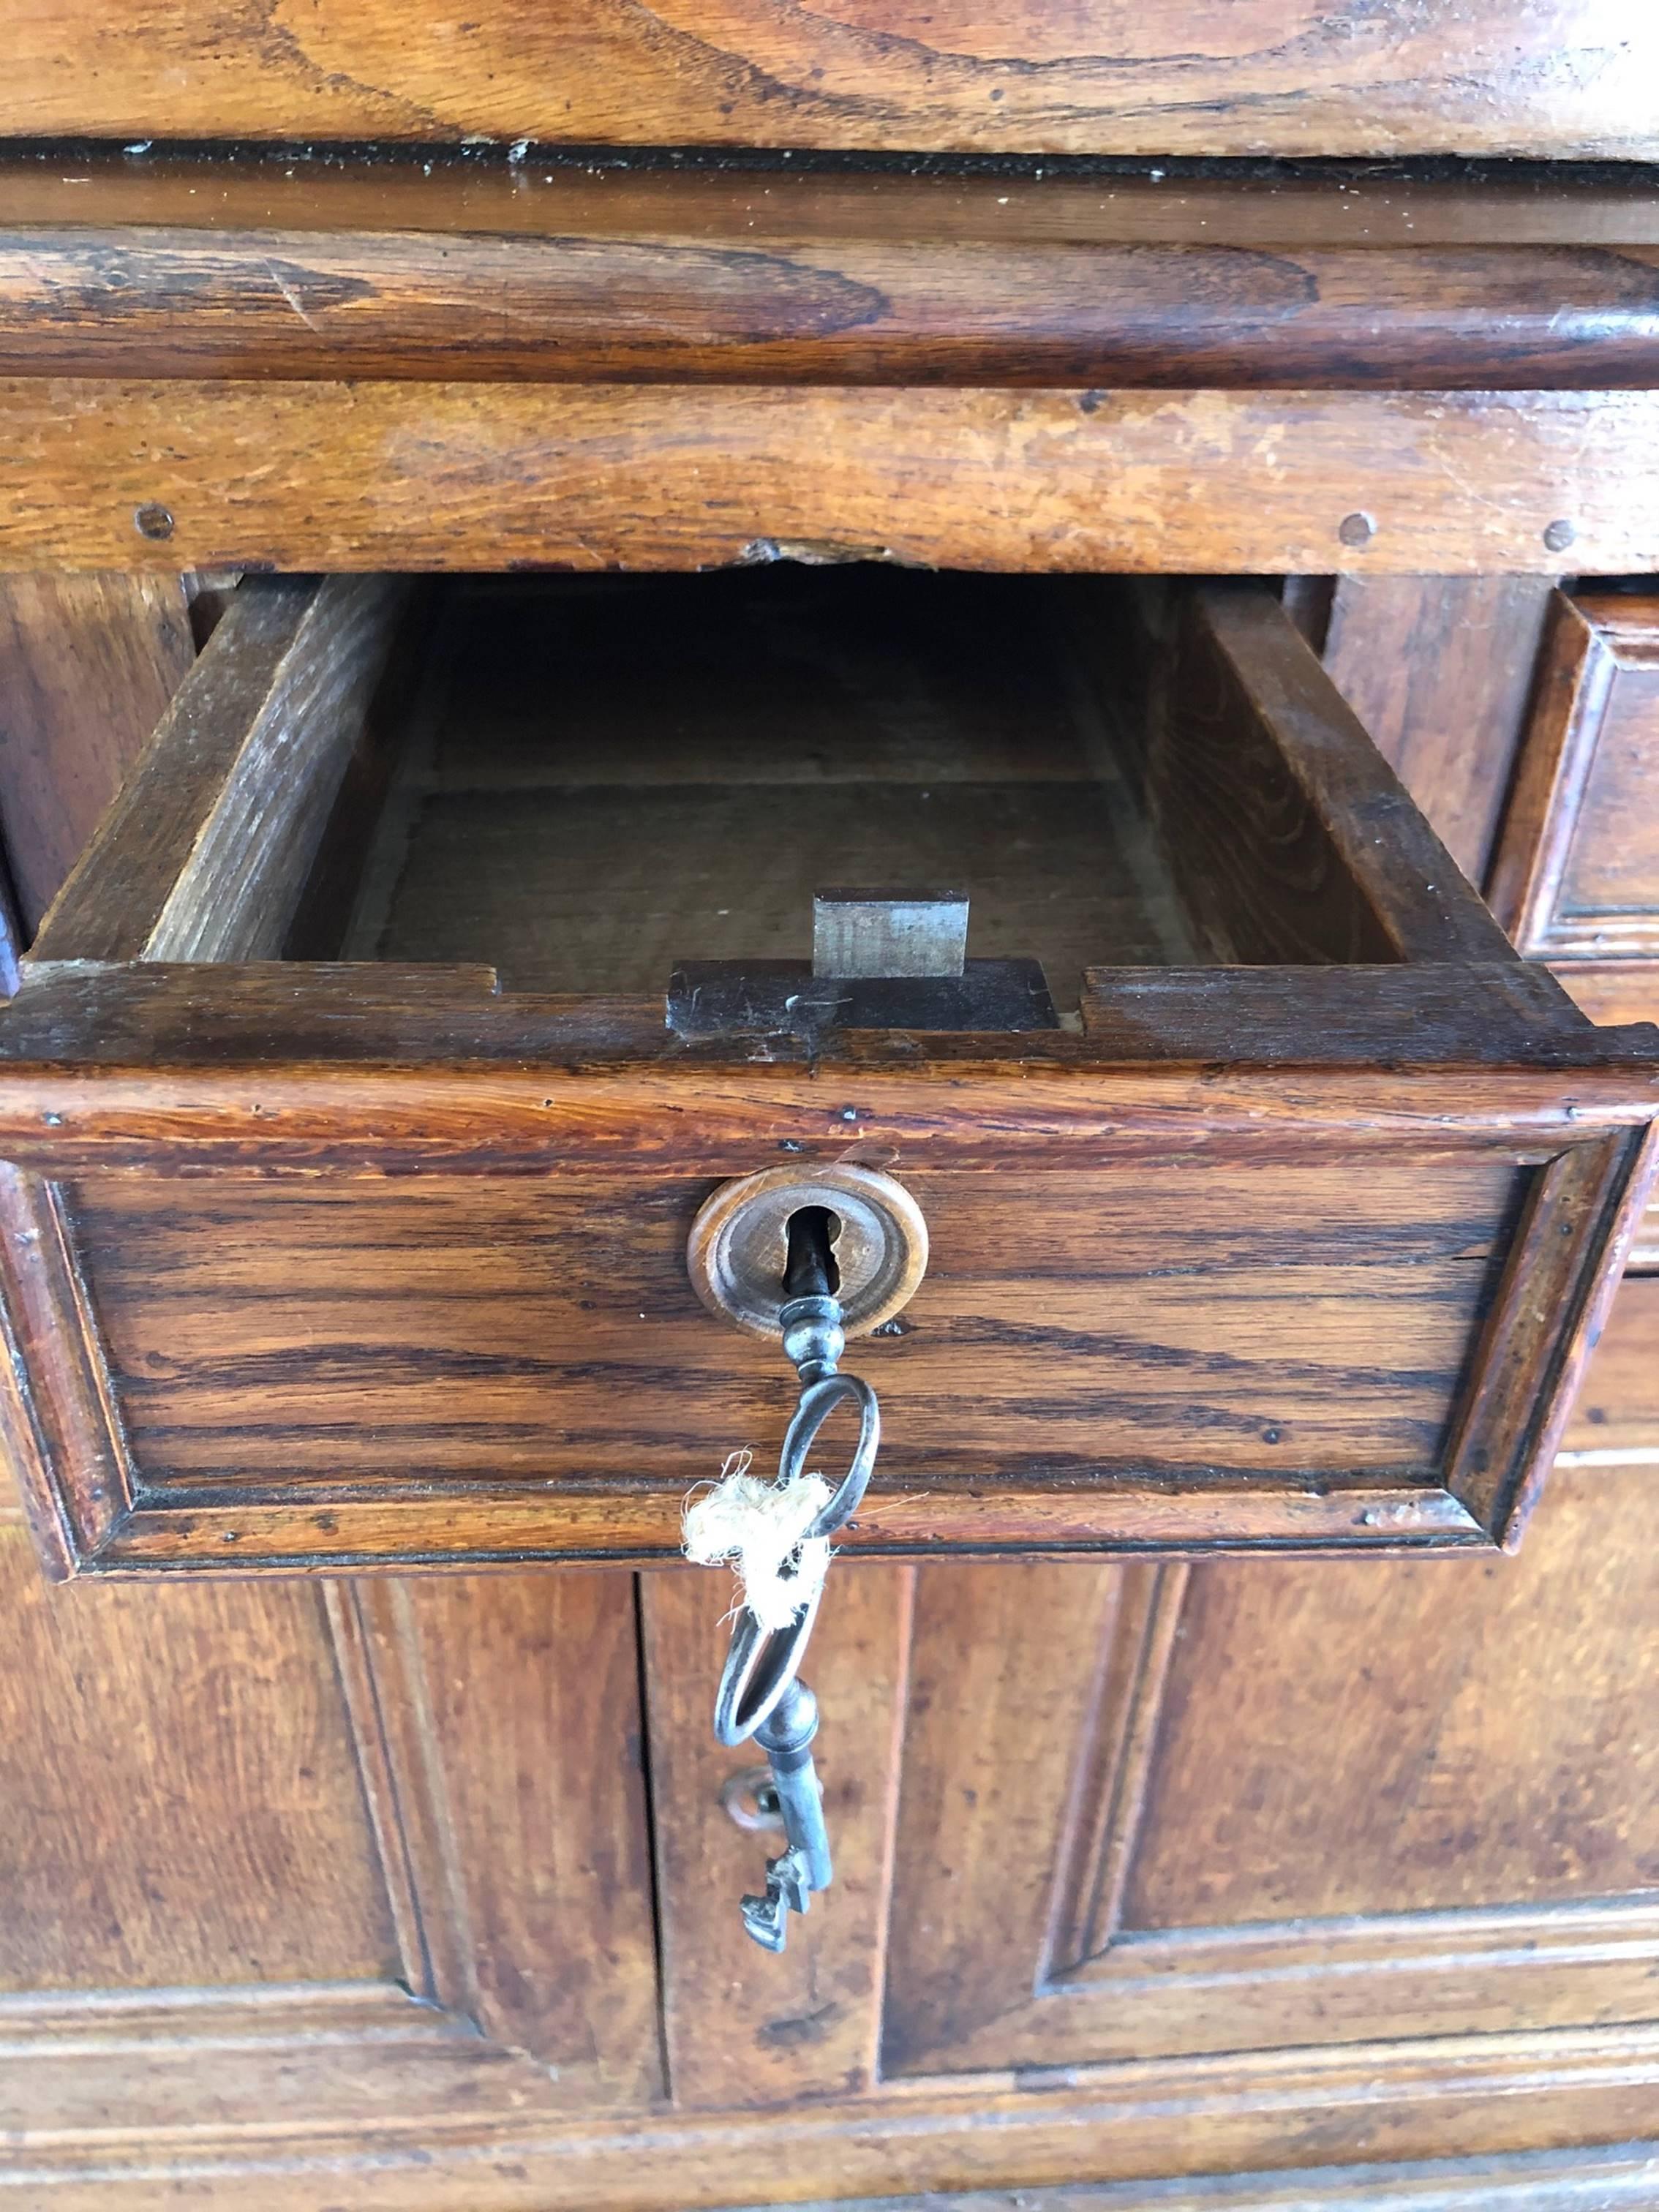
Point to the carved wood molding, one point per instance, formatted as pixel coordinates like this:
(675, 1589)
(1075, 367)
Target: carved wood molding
(383, 1679)
(1109, 1796)
(1579, 785)
(93, 1511)
(458, 2132)
(1088, 1986)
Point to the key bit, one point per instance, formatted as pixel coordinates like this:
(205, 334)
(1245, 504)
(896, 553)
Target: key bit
(767, 1918)
(786, 1736)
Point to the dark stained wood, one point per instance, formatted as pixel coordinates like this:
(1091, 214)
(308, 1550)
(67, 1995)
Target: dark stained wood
(1563, 1273)
(11, 934)
(480, 192)
(482, 476)
(1291, 840)
(655, 304)
(572, 810)
(1577, 875)
(1412, 1014)
(260, 1014)
(1185, 77)
(87, 664)
(206, 851)
(1439, 669)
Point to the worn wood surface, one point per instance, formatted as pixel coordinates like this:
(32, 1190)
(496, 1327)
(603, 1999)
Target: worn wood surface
(480, 192)
(666, 299)
(1440, 672)
(1580, 1216)
(182, 1802)
(88, 664)
(1615, 1422)
(208, 846)
(1182, 77)
(505, 1793)
(484, 476)
(809, 2027)
(1151, 1913)
(1292, 841)
(217, 1299)
(1485, 2098)
(261, 1014)
(574, 810)
(1238, 1846)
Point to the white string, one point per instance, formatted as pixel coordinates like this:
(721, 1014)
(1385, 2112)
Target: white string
(761, 1527)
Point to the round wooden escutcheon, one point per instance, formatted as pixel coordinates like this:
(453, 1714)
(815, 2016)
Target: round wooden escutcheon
(739, 1242)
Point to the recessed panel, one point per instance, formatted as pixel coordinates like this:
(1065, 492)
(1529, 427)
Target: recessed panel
(1290, 1318)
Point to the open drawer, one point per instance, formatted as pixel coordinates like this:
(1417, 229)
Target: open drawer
(451, 945)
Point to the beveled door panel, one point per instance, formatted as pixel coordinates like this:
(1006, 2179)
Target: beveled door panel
(1249, 1806)
(308, 1858)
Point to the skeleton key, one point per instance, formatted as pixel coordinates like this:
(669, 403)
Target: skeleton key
(759, 1694)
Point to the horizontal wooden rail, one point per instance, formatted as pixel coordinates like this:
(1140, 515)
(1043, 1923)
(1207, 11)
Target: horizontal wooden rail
(199, 271)
(455, 476)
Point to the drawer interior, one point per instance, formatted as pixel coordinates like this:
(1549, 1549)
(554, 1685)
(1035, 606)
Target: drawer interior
(629, 789)
(599, 778)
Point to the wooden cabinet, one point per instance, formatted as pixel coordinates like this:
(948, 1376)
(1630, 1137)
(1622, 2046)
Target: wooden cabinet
(354, 1148)
(1285, 1224)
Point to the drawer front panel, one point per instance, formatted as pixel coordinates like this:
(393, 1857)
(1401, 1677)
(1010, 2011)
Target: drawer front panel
(308, 1351)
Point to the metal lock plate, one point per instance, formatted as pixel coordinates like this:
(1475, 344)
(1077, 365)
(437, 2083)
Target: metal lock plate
(738, 1245)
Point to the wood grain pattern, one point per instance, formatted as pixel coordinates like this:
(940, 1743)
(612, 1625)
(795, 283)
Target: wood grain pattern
(1563, 1273)
(1100, 1832)
(1440, 671)
(1547, 78)
(1253, 1831)
(1506, 2095)
(61, 1424)
(569, 809)
(1615, 1419)
(668, 304)
(1135, 1328)
(205, 851)
(807, 2024)
(478, 192)
(182, 1806)
(453, 476)
(507, 1799)
(1577, 875)
(982, 1810)
(1410, 1015)
(1497, 1750)
(1292, 841)
(259, 1016)
(88, 664)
